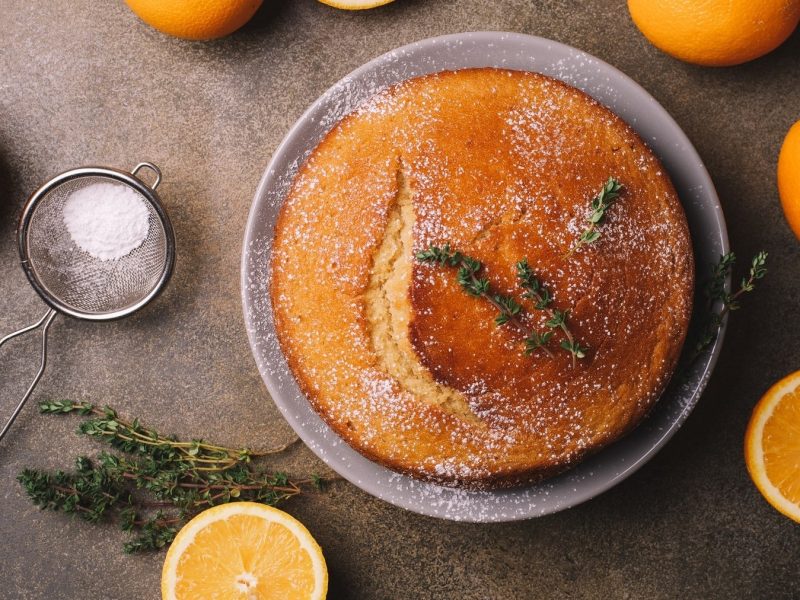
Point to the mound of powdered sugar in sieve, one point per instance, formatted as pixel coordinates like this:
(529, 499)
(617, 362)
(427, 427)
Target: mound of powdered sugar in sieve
(107, 220)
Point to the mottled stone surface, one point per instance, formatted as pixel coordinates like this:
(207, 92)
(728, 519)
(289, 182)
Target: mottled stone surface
(86, 82)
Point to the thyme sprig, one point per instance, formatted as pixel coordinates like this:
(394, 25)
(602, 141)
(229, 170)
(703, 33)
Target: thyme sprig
(508, 308)
(719, 301)
(540, 296)
(600, 204)
(157, 484)
(132, 437)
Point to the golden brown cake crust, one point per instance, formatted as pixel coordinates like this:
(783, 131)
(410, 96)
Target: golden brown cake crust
(501, 164)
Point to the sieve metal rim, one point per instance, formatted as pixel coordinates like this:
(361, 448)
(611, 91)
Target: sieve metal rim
(128, 178)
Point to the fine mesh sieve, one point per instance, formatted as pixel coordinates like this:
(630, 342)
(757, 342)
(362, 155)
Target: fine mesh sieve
(73, 281)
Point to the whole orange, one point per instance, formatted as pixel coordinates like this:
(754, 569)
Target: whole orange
(716, 33)
(195, 19)
(789, 177)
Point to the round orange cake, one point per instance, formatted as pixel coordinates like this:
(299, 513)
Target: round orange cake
(501, 165)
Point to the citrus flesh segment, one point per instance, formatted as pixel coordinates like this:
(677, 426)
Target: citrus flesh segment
(244, 551)
(772, 446)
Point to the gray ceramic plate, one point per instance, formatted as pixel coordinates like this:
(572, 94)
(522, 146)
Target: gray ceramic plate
(484, 49)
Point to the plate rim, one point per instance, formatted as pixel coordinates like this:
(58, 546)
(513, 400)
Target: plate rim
(251, 235)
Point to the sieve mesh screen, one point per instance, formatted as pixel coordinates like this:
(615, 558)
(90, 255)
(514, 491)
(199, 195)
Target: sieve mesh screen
(77, 279)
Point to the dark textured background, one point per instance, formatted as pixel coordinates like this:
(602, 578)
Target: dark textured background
(85, 82)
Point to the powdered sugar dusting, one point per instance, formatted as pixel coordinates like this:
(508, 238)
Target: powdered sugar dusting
(540, 152)
(425, 497)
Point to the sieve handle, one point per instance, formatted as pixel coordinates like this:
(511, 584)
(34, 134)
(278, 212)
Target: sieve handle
(152, 167)
(44, 323)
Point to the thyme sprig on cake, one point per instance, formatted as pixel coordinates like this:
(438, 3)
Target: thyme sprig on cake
(600, 204)
(509, 310)
(157, 484)
(719, 301)
(541, 298)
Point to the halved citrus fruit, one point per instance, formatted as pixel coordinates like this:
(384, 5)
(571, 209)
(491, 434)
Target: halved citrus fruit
(355, 4)
(244, 551)
(772, 446)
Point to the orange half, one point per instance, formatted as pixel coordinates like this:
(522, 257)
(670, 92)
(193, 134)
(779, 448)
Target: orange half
(355, 4)
(244, 551)
(772, 446)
